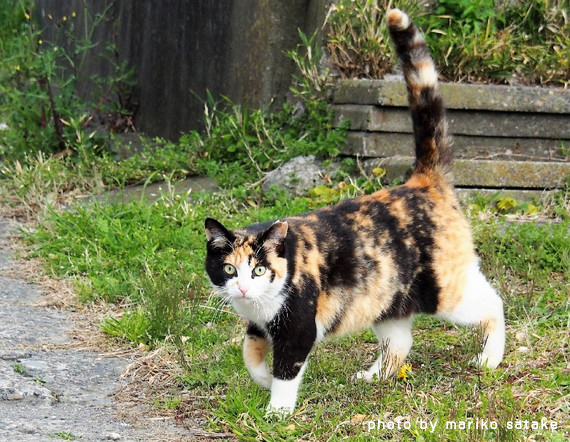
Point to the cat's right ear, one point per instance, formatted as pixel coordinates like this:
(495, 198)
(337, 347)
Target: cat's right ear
(216, 234)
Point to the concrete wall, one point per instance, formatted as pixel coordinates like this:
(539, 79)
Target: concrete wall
(181, 48)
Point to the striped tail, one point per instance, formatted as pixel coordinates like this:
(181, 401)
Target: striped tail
(433, 147)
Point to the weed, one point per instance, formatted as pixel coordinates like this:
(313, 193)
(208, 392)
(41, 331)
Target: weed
(19, 368)
(64, 435)
(37, 81)
(357, 38)
(481, 40)
(168, 403)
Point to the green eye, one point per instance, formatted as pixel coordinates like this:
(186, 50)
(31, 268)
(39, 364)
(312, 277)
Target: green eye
(229, 269)
(259, 270)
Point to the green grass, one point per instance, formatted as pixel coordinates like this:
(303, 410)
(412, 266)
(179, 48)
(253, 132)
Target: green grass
(19, 368)
(64, 435)
(149, 259)
(150, 256)
(471, 40)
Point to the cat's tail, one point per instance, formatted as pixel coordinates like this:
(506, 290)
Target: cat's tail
(433, 146)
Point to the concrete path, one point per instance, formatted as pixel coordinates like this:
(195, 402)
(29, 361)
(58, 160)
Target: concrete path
(48, 392)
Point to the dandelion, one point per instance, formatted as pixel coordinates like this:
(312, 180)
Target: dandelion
(405, 372)
(64, 18)
(73, 14)
(26, 15)
(40, 42)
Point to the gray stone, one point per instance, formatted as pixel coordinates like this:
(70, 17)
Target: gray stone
(458, 96)
(377, 144)
(154, 191)
(298, 175)
(486, 173)
(461, 122)
(16, 292)
(32, 326)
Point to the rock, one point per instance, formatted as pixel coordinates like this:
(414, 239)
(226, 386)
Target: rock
(113, 436)
(298, 175)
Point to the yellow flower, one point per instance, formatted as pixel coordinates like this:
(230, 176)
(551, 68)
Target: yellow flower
(405, 372)
(65, 18)
(40, 42)
(73, 14)
(26, 15)
(17, 67)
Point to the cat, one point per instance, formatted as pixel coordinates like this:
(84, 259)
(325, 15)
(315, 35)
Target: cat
(373, 261)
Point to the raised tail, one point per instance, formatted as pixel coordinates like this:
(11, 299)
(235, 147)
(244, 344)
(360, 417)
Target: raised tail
(433, 147)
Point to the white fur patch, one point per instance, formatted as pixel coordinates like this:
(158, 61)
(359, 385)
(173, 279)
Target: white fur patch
(481, 304)
(263, 299)
(425, 76)
(396, 337)
(261, 375)
(284, 393)
(398, 19)
(320, 330)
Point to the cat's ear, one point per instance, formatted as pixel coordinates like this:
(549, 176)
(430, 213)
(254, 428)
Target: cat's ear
(275, 235)
(216, 234)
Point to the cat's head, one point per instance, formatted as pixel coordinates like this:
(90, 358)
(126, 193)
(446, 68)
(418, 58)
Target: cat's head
(246, 265)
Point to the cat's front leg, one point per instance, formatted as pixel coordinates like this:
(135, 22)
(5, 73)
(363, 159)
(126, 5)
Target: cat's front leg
(284, 393)
(255, 348)
(289, 364)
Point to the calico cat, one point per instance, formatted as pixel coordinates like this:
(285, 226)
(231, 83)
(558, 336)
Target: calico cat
(373, 261)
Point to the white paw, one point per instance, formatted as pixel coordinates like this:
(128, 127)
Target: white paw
(486, 361)
(368, 375)
(279, 410)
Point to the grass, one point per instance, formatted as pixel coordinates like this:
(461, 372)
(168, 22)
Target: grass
(150, 258)
(476, 41)
(64, 435)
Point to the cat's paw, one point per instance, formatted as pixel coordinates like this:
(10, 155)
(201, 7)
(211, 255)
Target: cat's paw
(368, 375)
(279, 412)
(483, 360)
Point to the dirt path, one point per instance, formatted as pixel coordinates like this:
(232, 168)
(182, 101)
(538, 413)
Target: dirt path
(48, 390)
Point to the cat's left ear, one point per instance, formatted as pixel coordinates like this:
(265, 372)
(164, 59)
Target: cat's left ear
(275, 235)
(216, 234)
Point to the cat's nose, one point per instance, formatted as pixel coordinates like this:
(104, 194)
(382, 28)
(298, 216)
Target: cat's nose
(242, 290)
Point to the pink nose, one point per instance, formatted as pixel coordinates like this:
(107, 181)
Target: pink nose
(242, 290)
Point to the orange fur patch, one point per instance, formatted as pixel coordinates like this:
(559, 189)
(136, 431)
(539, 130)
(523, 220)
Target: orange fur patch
(255, 349)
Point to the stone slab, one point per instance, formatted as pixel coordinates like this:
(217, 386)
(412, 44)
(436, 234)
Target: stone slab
(461, 122)
(154, 191)
(467, 194)
(485, 173)
(380, 144)
(17, 292)
(32, 326)
(457, 96)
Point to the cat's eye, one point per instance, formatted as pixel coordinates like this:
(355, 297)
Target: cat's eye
(230, 269)
(259, 270)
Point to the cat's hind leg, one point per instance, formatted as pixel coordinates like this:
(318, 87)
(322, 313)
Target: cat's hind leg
(395, 336)
(255, 348)
(481, 305)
